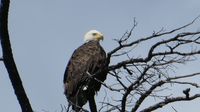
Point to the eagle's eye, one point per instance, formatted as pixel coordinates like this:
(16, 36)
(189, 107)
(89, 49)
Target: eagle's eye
(94, 34)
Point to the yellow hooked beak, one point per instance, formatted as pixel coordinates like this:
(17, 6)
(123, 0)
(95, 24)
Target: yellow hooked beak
(99, 37)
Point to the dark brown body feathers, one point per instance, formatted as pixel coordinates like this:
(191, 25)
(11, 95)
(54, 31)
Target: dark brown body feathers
(79, 86)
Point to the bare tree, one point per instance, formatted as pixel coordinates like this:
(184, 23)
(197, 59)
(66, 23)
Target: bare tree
(141, 77)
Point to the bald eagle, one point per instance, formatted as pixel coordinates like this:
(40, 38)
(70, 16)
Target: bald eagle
(79, 79)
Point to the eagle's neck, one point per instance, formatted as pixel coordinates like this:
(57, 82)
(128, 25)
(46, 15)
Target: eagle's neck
(93, 41)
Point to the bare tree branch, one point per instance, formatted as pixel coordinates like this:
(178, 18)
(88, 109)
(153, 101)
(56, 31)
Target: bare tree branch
(146, 94)
(158, 34)
(9, 60)
(169, 100)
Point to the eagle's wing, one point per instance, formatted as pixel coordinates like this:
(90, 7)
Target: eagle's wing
(87, 58)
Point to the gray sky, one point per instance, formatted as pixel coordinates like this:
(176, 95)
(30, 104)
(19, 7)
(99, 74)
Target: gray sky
(44, 33)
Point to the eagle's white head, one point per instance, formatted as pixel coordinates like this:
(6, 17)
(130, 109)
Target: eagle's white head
(93, 35)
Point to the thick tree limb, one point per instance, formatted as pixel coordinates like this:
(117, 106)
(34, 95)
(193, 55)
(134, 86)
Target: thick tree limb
(169, 100)
(9, 60)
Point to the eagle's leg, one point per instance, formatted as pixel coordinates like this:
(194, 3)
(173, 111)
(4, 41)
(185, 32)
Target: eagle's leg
(75, 105)
(92, 104)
